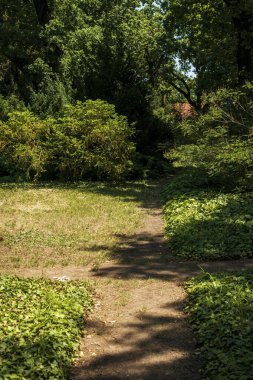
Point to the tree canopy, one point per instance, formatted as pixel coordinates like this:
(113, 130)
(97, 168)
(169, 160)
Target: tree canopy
(142, 56)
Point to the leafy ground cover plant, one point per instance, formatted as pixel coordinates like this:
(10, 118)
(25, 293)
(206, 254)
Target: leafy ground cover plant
(221, 313)
(41, 323)
(207, 224)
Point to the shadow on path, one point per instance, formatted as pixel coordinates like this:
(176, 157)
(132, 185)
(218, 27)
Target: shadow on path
(146, 256)
(147, 345)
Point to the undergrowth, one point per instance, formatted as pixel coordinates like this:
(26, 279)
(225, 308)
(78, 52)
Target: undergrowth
(204, 223)
(221, 312)
(41, 325)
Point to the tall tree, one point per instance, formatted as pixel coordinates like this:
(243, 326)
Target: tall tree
(213, 40)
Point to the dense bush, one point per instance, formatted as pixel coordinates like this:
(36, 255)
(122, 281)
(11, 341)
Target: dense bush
(227, 163)
(219, 142)
(22, 150)
(207, 224)
(221, 312)
(41, 323)
(90, 140)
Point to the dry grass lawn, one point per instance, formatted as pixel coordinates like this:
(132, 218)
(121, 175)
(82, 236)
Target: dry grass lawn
(52, 224)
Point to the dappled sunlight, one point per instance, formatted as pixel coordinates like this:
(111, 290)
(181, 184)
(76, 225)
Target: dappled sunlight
(145, 345)
(212, 225)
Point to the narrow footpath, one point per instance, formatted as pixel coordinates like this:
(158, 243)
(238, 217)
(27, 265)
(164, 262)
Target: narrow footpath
(138, 329)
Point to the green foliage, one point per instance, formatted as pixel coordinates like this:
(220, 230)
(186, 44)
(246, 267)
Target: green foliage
(90, 140)
(8, 105)
(86, 50)
(202, 36)
(50, 95)
(208, 210)
(212, 39)
(206, 224)
(141, 56)
(22, 153)
(41, 323)
(219, 142)
(220, 310)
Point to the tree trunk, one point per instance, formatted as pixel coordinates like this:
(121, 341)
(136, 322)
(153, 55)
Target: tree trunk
(244, 24)
(42, 11)
(242, 21)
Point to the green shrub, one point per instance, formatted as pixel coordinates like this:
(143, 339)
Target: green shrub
(41, 323)
(226, 162)
(219, 142)
(22, 152)
(91, 140)
(207, 224)
(221, 312)
(208, 210)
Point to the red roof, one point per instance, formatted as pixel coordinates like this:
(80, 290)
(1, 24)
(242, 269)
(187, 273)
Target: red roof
(184, 109)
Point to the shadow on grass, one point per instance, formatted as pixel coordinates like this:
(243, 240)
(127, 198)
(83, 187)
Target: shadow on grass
(218, 235)
(146, 193)
(147, 256)
(146, 347)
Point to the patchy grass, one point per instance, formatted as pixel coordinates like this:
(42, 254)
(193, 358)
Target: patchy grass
(78, 224)
(41, 325)
(207, 224)
(221, 311)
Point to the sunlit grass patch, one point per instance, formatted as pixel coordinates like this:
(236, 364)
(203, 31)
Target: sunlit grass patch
(67, 224)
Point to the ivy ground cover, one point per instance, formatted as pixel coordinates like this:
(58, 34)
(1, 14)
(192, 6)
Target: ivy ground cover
(206, 224)
(220, 309)
(41, 322)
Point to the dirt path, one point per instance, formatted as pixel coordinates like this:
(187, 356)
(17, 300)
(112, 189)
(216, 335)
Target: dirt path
(138, 329)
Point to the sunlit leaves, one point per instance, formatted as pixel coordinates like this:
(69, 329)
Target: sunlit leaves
(40, 327)
(220, 310)
(204, 224)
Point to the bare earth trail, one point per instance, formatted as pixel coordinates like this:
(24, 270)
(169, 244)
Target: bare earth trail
(138, 329)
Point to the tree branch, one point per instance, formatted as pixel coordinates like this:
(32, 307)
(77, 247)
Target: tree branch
(186, 92)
